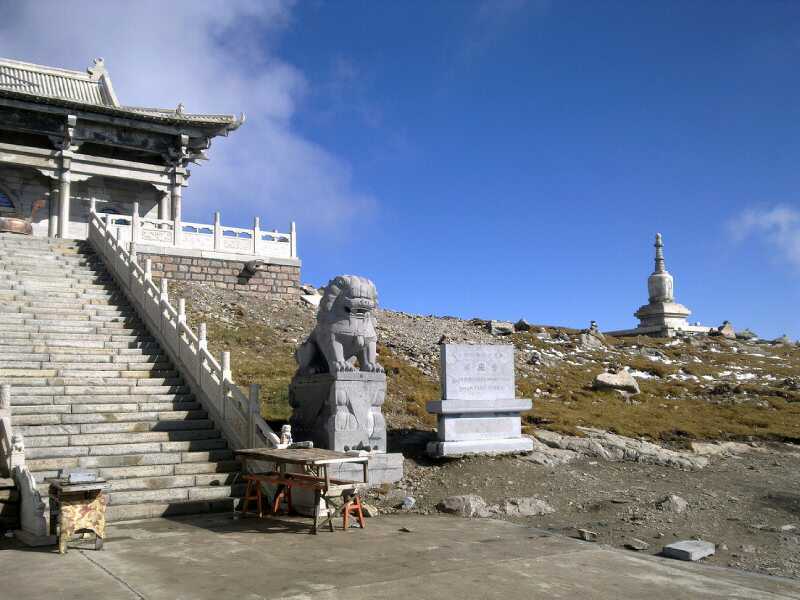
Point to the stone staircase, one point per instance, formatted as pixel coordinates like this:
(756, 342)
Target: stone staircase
(92, 389)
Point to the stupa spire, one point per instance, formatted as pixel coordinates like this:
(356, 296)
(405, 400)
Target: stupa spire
(660, 268)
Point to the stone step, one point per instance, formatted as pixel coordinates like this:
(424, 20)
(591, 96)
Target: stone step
(20, 274)
(18, 375)
(60, 402)
(184, 462)
(39, 431)
(58, 442)
(44, 394)
(68, 413)
(111, 356)
(53, 317)
(96, 364)
(171, 481)
(60, 350)
(174, 495)
(35, 310)
(152, 510)
(151, 447)
(21, 338)
(100, 329)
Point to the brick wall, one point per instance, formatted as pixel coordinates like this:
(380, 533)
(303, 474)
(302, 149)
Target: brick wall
(278, 280)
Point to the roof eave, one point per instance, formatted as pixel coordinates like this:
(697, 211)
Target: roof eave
(224, 124)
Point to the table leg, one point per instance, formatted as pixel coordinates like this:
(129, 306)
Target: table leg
(316, 512)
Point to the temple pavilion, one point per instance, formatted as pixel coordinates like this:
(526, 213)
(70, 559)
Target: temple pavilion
(66, 138)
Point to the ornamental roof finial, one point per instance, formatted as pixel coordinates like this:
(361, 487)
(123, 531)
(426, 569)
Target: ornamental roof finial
(98, 68)
(659, 254)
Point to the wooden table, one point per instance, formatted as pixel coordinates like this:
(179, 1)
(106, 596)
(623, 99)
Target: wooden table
(77, 507)
(316, 476)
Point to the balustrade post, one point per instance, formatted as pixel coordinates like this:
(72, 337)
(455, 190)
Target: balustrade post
(135, 223)
(5, 396)
(92, 206)
(148, 269)
(164, 290)
(226, 366)
(202, 337)
(254, 413)
(256, 234)
(182, 310)
(293, 240)
(108, 222)
(217, 231)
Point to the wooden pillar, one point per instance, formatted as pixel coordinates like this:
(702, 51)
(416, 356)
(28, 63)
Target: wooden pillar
(63, 199)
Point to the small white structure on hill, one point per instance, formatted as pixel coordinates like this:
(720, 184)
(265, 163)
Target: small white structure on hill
(661, 316)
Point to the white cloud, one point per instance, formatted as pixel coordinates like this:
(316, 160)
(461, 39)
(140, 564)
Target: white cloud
(778, 225)
(212, 56)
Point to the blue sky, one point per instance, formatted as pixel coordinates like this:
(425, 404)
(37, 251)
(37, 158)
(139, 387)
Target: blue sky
(495, 159)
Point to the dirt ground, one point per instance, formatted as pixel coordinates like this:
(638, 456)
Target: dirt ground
(748, 505)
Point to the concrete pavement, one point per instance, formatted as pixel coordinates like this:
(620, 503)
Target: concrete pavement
(215, 557)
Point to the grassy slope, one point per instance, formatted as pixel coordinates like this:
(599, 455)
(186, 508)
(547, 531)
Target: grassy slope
(666, 409)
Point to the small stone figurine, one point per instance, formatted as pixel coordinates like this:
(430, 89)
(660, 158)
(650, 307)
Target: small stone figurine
(286, 436)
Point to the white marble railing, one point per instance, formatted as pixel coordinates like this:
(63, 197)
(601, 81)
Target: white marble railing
(239, 416)
(6, 432)
(201, 236)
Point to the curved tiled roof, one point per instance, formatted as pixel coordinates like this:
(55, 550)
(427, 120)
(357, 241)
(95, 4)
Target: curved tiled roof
(90, 90)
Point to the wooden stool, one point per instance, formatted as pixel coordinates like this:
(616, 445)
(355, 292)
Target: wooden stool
(352, 504)
(283, 492)
(252, 493)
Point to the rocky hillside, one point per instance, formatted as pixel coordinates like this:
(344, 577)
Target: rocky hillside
(694, 388)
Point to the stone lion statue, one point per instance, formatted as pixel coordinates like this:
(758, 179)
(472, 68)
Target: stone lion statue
(345, 329)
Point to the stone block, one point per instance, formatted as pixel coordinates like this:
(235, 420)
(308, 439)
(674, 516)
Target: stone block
(689, 550)
(477, 427)
(477, 372)
(339, 412)
(463, 448)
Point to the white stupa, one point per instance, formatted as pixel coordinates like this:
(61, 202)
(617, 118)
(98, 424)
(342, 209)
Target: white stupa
(661, 316)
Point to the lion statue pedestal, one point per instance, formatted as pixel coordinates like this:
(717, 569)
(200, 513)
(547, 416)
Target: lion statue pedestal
(340, 412)
(338, 390)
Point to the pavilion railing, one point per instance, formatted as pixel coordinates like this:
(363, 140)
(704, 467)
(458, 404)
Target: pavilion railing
(238, 415)
(201, 236)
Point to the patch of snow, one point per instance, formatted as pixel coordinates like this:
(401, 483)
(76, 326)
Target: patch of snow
(642, 374)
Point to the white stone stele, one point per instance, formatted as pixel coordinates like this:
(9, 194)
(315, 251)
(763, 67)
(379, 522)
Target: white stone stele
(478, 413)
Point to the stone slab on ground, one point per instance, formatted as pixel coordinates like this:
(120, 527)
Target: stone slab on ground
(463, 448)
(689, 550)
(439, 557)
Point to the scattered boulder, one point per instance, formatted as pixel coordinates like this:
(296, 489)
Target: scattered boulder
(784, 340)
(527, 507)
(369, 510)
(522, 325)
(621, 380)
(746, 334)
(609, 446)
(719, 448)
(545, 455)
(539, 358)
(500, 328)
(674, 504)
(469, 506)
(726, 330)
(588, 341)
(637, 544)
(587, 535)
(408, 503)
